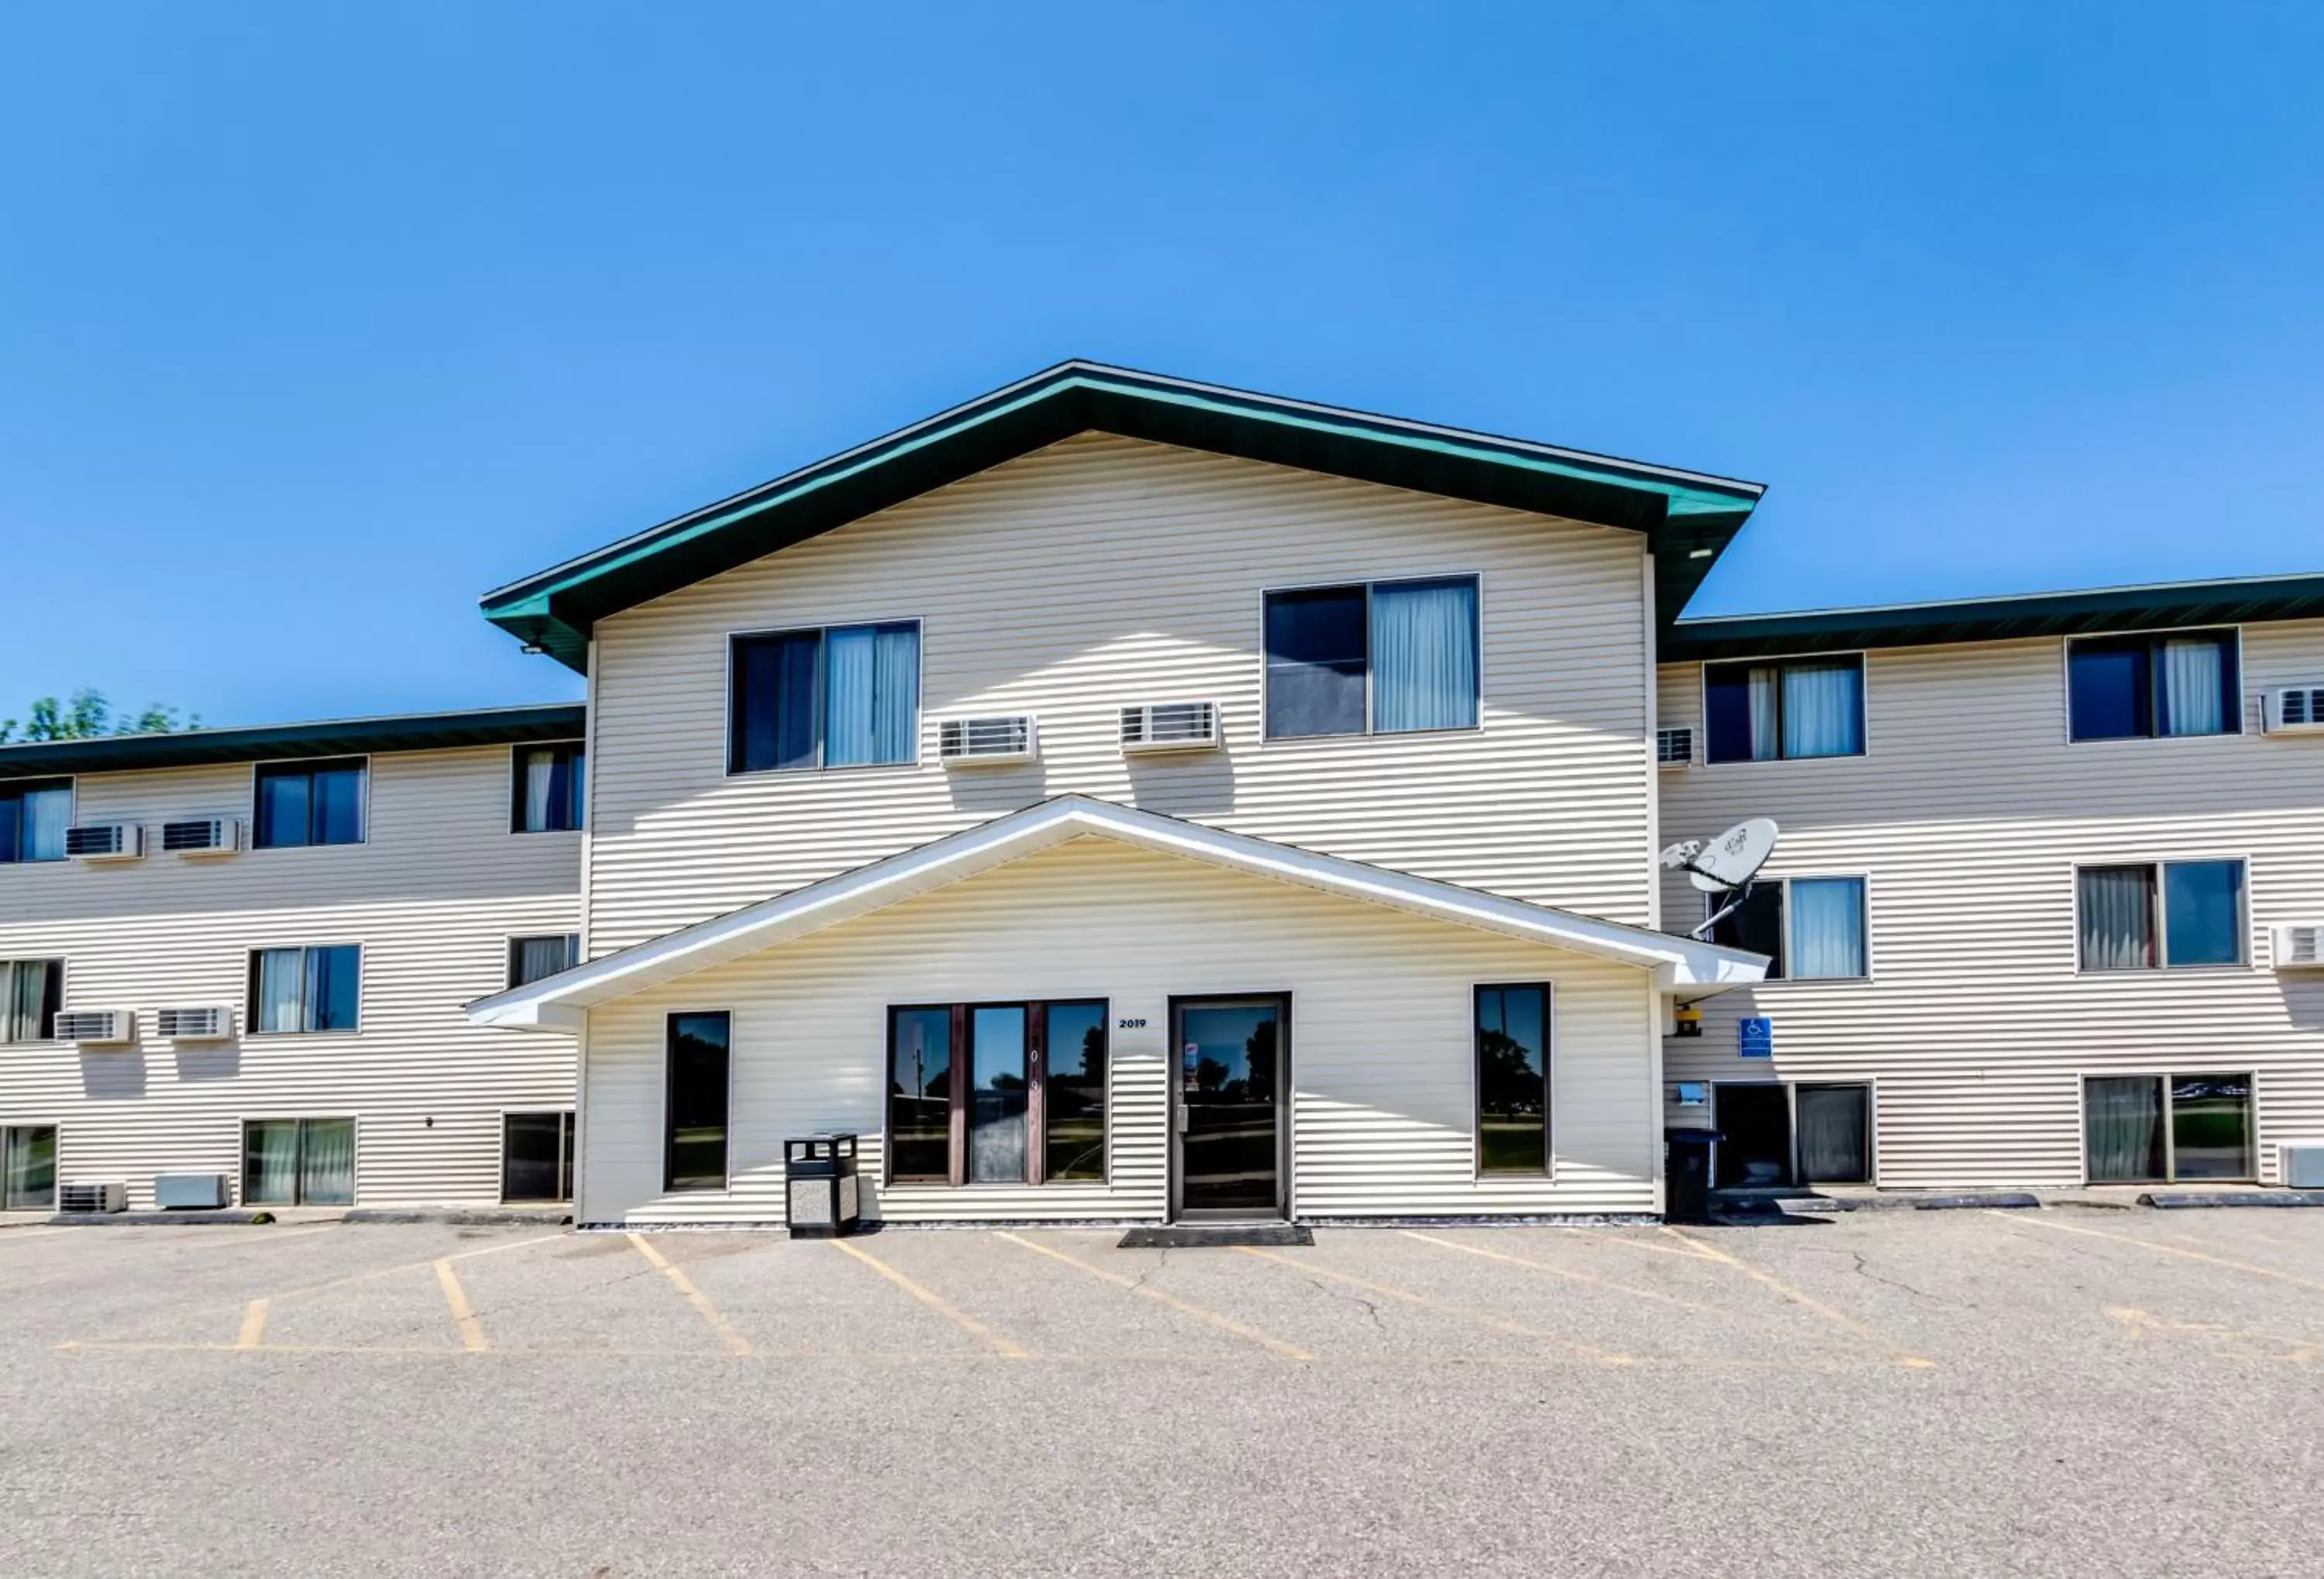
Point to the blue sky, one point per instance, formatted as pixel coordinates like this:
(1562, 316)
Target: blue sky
(316, 322)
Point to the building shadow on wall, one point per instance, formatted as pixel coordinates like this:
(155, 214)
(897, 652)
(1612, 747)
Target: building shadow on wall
(1193, 783)
(113, 1076)
(219, 1061)
(993, 791)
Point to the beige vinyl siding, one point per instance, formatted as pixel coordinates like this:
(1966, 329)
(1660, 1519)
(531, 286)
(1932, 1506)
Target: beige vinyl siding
(432, 897)
(1381, 1055)
(1968, 816)
(1102, 572)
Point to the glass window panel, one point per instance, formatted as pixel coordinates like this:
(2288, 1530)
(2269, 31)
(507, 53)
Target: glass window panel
(32, 990)
(919, 1093)
(1823, 707)
(2203, 913)
(1756, 925)
(1728, 732)
(47, 814)
(532, 1157)
(696, 1151)
(1827, 928)
(31, 1168)
(1317, 654)
(270, 1163)
(326, 1162)
(2210, 1126)
(12, 827)
(850, 696)
(338, 806)
(1424, 653)
(2194, 693)
(774, 706)
(1835, 1132)
(278, 992)
(549, 780)
(997, 1094)
(2109, 690)
(1513, 1080)
(896, 694)
(2122, 1129)
(283, 813)
(530, 959)
(2118, 917)
(334, 987)
(1073, 1090)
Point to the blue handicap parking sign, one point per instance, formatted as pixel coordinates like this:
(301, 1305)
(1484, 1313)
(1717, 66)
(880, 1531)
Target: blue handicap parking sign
(1755, 1037)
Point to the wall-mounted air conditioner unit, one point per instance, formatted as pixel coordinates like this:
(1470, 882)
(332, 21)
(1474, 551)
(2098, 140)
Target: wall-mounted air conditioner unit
(214, 1023)
(1674, 748)
(1002, 738)
(2295, 710)
(197, 1192)
(201, 835)
(106, 840)
(93, 1195)
(96, 1027)
(1171, 726)
(2303, 1168)
(2299, 947)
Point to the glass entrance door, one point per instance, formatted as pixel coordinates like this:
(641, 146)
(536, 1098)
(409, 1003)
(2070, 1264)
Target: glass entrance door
(1226, 1114)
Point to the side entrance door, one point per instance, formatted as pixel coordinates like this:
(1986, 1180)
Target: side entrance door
(1227, 1133)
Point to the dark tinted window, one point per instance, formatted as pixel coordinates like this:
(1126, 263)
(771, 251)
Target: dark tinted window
(546, 795)
(919, 1093)
(773, 719)
(1757, 924)
(2210, 1126)
(1318, 654)
(2174, 682)
(309, 803)
(1075, 1090)
(537, 1156)
(2203, 913)
(33, 817)
(694, 1151)
(1513, 1079)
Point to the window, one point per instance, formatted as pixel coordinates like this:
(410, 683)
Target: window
(33, 817)
(545, 794)
(2131, 688)
(1512, 1026)
(1811, 928)
(532, 958)
(537, 1156)
(1798, 708)
(694, 1143)
(1835, 1129)
(2159, 1129)
(305, 989)
(2196, 918)
(28, 1168)
(311, 803)
(844, 698)
(1031, 1109)
(32, 990)
(299, 1162)
(1390, 657)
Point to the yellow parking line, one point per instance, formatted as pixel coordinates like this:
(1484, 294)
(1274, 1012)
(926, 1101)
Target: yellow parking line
(2192, 1255)
(472, 1330)
(1482, 1318)
(934, 1302)
(1839, 1319)
(1516, 1260)
(735, 1343)
(1224, 1323)
(253, 1325)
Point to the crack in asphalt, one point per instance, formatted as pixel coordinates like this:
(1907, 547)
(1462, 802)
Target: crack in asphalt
(1370, 1309)
(1863, 1269)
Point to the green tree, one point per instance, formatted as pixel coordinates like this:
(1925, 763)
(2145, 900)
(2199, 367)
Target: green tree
(85, 715)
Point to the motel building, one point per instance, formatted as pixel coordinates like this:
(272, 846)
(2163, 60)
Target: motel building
(1124, 799)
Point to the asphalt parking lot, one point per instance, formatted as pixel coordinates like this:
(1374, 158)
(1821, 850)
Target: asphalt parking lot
(2051, 1392)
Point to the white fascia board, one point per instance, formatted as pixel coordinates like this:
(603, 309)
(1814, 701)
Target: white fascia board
(1679, 964)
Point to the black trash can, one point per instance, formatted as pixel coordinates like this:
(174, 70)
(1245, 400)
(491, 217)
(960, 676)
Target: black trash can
(821, 1196)
(1686, 1174)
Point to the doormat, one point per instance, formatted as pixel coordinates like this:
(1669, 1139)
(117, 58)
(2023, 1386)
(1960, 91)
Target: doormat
(1217, 1236)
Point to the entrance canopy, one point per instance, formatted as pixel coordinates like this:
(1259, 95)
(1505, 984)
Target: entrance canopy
(1680, 966)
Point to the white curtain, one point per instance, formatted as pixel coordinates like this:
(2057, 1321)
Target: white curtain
(282, 989)
(539, 786)
(1424, 655)
(1827, 926)
(1823, 715)
(896, 693)
(542, 956)
(2118, 905)
(2192, 680)
(47, 814)
(25, 982)
(2122, 1130)
(326, 1162)
(270, 1164)
(1766, 689)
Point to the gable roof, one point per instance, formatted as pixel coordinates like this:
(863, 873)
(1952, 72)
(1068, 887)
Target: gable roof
(1688, 517)
(2158, 606)
(558, 1001)
(330, 737)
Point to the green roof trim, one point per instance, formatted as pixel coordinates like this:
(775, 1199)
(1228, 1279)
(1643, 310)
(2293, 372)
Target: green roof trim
(1688, 517)
(120, 753)
(2240, 601)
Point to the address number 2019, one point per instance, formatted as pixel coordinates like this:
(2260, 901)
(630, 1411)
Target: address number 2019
(1133, 1025)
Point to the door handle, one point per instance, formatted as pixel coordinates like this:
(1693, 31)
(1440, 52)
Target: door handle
(1181, 1118)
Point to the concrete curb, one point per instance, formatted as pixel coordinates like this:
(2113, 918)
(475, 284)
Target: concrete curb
(246, 1216)
(2179, 1200)
(1965, 1201)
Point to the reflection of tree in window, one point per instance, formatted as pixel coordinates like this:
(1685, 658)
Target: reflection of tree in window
(1210, 1075)
(1512, 1033)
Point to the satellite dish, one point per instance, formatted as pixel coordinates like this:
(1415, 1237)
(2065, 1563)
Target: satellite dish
(1734, 857)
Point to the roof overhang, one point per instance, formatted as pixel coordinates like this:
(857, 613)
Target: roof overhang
(332, 737)
(1688, 517)
(2000, 619)
(1679, 966)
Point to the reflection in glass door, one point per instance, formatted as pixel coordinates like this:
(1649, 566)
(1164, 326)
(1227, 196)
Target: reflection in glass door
(1230, 1083)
